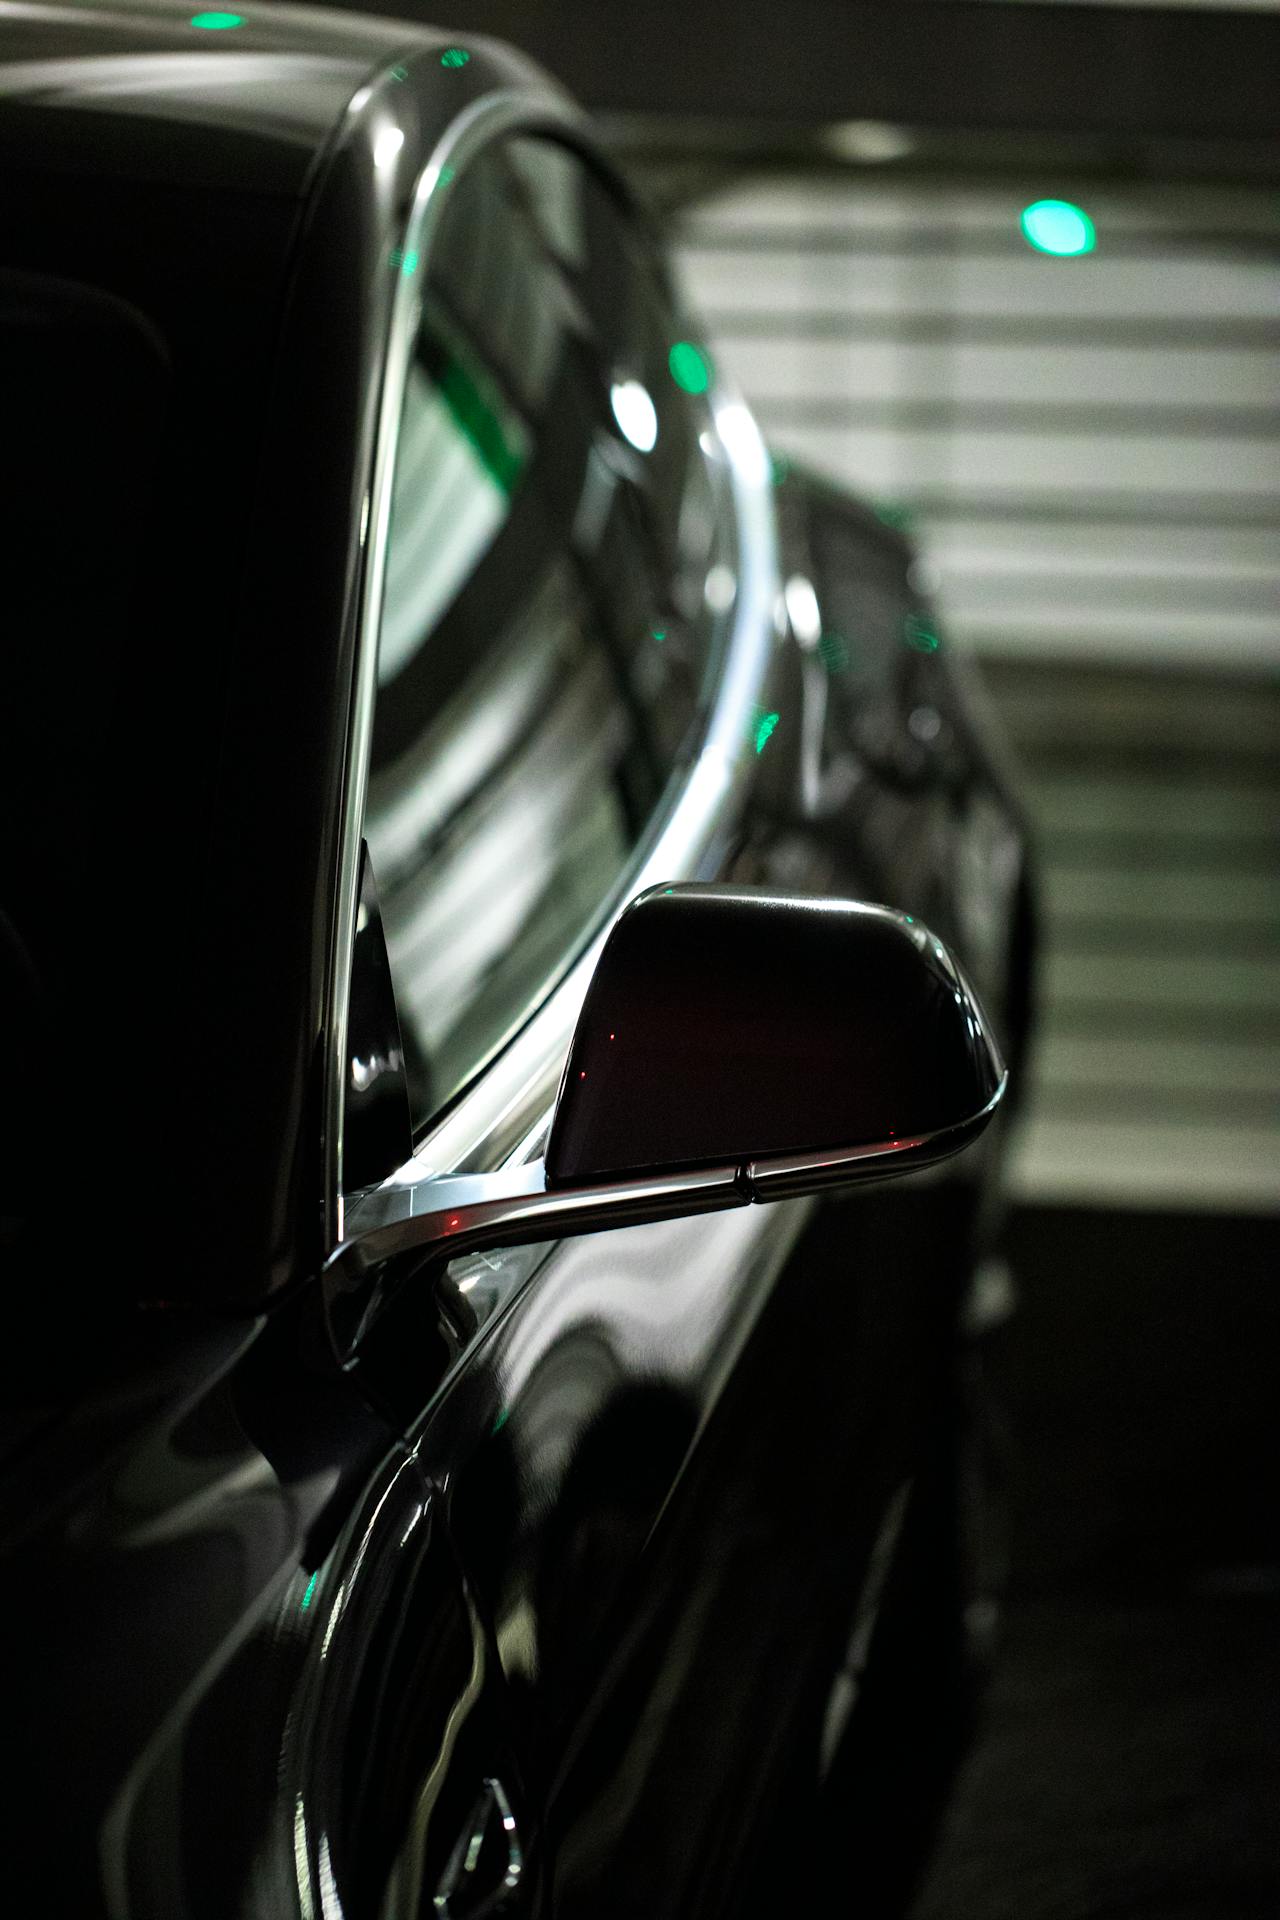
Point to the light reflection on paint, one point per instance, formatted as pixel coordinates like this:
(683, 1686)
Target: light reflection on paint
(386, 147)
(720, 588)
(740, 438)
(217, 22)
(802, 610)
(635, 413)
(302, 1860)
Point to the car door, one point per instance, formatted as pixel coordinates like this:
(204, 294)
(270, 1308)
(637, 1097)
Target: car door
(617, 1434)
(568, 584)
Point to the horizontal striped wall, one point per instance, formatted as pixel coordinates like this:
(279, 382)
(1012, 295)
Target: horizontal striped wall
(1088, 452)
(1089, 449)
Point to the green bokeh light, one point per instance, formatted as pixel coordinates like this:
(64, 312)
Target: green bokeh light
(892, 513)
(690, 369)
(920, 633)
(311, 1587)
(765, 728)
(834, 651)
(217, 22)
(1057, 227)
(454, 57)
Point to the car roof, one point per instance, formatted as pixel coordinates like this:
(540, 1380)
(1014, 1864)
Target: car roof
(214, 97)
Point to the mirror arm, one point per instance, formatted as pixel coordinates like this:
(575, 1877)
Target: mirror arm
(415, 1211)
(790, 1175)
(468, 1213)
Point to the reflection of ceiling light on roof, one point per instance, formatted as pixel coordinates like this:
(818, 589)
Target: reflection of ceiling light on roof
(635, 413)
(868, 140)
(386, 147)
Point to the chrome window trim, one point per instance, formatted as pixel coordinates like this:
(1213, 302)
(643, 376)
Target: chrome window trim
(496, 1118)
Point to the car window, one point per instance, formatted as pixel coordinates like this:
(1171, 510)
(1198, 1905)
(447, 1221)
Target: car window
(546, 633)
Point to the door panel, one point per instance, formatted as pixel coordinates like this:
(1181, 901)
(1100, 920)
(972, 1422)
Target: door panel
(661, 1458)
(397, 1722)
(664, 1471)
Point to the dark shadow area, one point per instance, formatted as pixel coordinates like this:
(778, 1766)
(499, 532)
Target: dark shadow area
(1129, 1758)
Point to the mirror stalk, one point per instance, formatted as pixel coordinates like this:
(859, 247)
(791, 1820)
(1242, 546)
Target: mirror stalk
(417, 1212)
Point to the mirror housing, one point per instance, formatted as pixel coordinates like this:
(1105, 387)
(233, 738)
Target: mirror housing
(735, 1045)
(727, 1024)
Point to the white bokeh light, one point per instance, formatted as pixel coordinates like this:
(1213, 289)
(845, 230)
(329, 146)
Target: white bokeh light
(635, 413)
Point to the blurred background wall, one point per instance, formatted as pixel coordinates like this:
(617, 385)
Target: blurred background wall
(1087, 449)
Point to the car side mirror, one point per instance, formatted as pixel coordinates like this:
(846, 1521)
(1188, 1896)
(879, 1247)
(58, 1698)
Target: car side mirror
(734, 1046)
(727, 1024)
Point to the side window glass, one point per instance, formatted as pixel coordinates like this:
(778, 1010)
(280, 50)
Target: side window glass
(546, 636)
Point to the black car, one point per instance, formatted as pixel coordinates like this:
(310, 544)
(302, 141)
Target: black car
(442, 756)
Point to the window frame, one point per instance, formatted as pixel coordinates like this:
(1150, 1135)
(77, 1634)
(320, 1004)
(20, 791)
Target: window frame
(501, 1114)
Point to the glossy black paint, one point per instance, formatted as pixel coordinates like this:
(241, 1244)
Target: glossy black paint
(223, 189)
(673, 1576)
(275, 1615)
(732, 1025)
